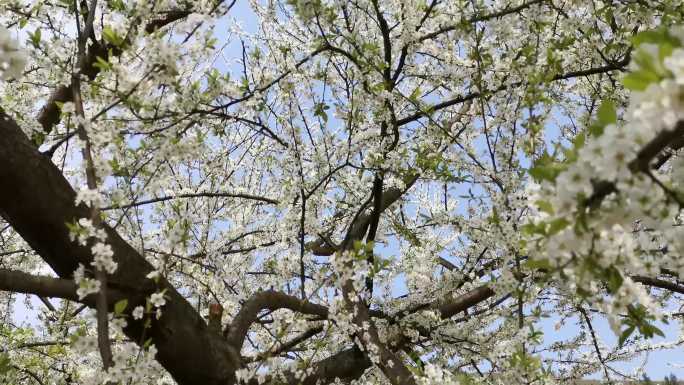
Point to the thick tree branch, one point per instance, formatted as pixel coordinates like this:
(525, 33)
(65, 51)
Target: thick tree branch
(50, 113)
(369, 339)
(268, 300)
(472, 298)
(346, 365)
(20, 282)
(352, 363)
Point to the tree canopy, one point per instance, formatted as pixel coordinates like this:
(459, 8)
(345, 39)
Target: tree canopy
(329, 191)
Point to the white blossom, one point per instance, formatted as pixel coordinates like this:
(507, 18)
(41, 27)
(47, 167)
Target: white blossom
(157, 299)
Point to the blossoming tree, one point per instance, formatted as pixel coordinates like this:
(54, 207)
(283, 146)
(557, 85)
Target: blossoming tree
(328, 191)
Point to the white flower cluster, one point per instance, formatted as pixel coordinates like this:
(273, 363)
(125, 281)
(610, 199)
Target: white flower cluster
(624, 216)
(12, 58)
(138, 312)
(103, 258)
(436, 375)
(84, 344)
(86, 286)
(131, 366)
(133, 371)
(157, 299)
(103, 255)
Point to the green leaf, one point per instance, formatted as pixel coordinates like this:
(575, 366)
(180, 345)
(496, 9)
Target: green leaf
(657, 36)
(556, 225)
(596, 130)
(665, 50)
(658, 331)
(102, 64)
(495, 218)
(545, 206)
(614, 279)
(546, 168)
(117, 5)
(35, 37)
(406, 233)
(646, 62)
(38, 137)
(112, 37)
(606, 113)
(66, 2)
(639, 80)
(579, 141)
(416, 358)
(415, 94)
(625, 334)
(653, 36)
(532, 229)
(319, 110)
(120, 306)
(537, 264)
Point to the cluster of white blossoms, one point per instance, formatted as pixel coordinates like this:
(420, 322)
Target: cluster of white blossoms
(86, 285)
(436, 375)
(130, 364)
(84, 230)
(157, 299)
(12, 58)
(138, 312)
(604, 213)
(103, 255)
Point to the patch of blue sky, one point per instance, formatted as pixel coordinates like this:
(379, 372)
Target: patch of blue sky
(656, 364)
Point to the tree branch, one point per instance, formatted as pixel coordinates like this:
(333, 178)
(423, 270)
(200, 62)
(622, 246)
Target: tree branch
(194, 195)
(465, 301)
(659, 283)
(474, 95)
(346, 365)
(268, 300)
(357, 229)
(20, 282)
(288, 345)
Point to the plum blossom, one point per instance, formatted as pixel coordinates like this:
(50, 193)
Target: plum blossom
(103, 260)
(157, 300)
(138, 312)
(91, 198)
